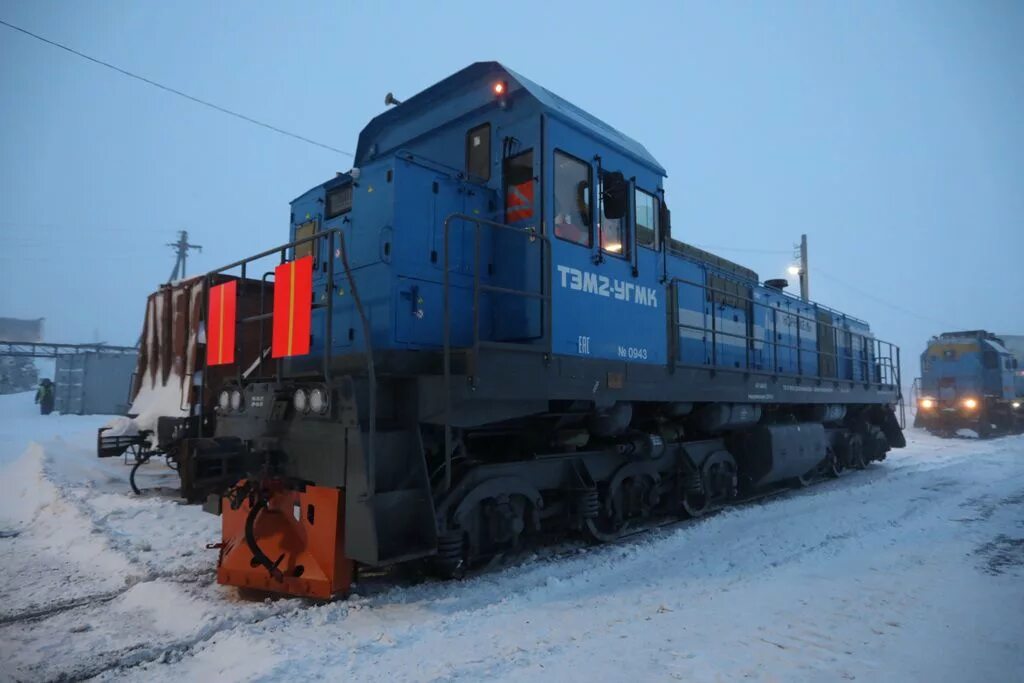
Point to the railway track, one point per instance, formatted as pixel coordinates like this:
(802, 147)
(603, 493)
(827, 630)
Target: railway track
(141, 654)
(53, 609)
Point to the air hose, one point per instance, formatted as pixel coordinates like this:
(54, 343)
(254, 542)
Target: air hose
(250, 540)
(139, 462)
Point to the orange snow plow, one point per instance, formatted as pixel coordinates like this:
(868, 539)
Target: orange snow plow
(281, 540)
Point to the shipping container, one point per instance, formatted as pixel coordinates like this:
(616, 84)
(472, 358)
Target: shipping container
(94, 383)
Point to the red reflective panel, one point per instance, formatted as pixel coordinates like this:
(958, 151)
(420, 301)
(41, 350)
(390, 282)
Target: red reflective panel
(220, 324)
(293, 307)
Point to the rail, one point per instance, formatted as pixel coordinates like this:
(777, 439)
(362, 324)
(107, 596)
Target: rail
(877, 361)
(544, 296)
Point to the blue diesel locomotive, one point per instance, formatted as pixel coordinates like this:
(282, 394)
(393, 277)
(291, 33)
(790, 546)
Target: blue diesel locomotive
(971, 380)
(506, 340)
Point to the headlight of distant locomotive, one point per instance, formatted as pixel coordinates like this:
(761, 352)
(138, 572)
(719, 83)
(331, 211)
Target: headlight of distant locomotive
(927, 403)
(1015, 404)
(318, 400)
(236, 399)
(970, 403)
(224, 401)
(300, 400)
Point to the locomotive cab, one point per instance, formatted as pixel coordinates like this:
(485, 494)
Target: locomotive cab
(968, 382)
(499, 151)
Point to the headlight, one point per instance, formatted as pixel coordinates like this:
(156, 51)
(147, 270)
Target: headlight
(236, 399)
(970, 403)
(318, 400)
(1015, 404)
(300, 400)
(927, 404)
(224, 401)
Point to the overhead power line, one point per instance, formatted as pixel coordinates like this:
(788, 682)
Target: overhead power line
(746, 250)
(174, 91)
(884, 302)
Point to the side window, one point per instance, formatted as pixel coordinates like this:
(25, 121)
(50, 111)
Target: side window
(519, 187)
(991, 360)
(613, 231)
(478, 152)
(307, 229)
(646, 219)
(339, 201)
(949, 354)
(572, 199)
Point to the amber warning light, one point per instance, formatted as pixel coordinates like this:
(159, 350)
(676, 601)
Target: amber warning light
(500, 88)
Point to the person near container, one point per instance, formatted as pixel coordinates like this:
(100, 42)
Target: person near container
(45, 397)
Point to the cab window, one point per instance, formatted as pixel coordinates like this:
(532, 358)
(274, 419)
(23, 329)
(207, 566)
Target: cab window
(613, 231)
(646, 219)
(572, 199)
(478, 152)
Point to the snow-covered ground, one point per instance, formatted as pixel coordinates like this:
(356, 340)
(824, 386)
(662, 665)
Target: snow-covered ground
(912, 570)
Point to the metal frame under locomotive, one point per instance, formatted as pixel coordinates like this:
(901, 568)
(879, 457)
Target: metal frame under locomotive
(457, 451)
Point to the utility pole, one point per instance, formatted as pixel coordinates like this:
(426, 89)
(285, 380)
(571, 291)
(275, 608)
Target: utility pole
(800, 252)
(805, 288)
(181, 247)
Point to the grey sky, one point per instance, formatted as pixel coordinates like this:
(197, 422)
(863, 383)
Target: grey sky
(891, 133)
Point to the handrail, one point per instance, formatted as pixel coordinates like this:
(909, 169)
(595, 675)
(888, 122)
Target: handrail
(544, 296)
(329, 236)
(751, 282)
(371, 369)
(874, 352)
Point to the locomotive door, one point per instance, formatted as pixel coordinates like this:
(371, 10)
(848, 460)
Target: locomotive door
(602, 308)
(516, 259)
(826, 345)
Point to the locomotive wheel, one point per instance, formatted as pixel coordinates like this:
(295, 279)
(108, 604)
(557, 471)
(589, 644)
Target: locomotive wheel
(608, 525)
(717, 481)
(720, 476)
(693, 497)
(631, 494)
(833, 464)
(855, 452)
(605, 530)
(696, 504)
(493, 517)
(451, 559)
(984, 429)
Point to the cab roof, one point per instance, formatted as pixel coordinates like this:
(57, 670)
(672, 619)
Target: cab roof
(429, 105)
